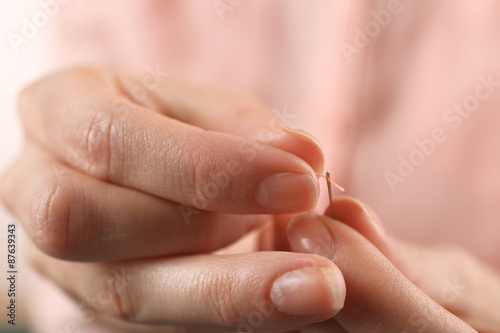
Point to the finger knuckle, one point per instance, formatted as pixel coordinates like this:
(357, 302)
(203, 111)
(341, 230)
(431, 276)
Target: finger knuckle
(50, 220)
(98, 144)
(58, 215)
(114, 295)
(207, 179)
(197, 171)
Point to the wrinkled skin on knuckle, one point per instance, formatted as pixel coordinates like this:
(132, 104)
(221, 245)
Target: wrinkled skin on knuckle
(50, 219)
(114, 294)
(99, 145)
(58, 210)
(214, 170)
(191, 175)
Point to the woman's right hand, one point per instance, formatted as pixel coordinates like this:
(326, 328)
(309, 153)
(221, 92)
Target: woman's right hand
(148, 178)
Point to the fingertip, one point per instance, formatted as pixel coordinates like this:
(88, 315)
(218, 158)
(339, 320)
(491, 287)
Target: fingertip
(309, 291)
(308, 148)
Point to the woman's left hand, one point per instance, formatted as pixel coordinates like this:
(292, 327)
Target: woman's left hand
(450, 276)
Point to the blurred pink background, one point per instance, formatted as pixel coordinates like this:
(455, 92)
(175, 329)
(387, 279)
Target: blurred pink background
(366, 113)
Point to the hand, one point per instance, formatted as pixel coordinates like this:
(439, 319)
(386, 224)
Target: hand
(108, 175)
(380, 298)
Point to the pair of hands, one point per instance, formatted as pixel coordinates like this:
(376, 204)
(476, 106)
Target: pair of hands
(136, 183)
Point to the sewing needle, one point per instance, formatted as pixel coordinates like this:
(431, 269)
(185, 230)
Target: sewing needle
(329, 183)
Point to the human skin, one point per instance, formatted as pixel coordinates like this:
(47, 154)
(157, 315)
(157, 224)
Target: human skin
(447, 274)
(116, 209)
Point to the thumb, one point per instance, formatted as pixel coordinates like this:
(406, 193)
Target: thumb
(449, 275)
(379, 297)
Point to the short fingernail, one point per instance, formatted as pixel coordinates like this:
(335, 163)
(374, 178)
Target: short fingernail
(287, 193)
(304, 136)
(301, 132)
(307, 234)
(309, 291)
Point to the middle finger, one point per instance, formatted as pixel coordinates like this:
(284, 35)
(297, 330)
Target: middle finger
(73, 216)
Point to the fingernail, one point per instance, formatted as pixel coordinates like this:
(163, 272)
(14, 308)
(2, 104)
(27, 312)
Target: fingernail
(287, 193)
(309, 291)
(319, 163)
(307, 234)
(302, 133)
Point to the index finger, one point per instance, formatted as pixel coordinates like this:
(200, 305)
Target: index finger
(73, 115)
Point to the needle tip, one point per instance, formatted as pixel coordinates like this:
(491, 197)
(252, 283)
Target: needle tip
(329, 183)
